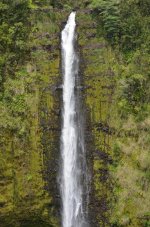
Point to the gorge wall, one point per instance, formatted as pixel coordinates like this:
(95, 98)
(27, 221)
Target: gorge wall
(31, 126)
(31, 194)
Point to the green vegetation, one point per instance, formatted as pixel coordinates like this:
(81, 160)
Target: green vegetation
(24, 197)
(123, 22)
(125, 25)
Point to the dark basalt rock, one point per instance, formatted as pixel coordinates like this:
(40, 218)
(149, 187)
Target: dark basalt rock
(2, 204)
(101, 126)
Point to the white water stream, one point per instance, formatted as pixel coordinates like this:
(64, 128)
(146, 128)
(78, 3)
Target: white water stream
(71, 175)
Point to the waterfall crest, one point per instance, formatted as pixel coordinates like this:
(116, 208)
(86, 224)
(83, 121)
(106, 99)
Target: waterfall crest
(72, 144)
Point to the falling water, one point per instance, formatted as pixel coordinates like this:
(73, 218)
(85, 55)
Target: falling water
(72, 138)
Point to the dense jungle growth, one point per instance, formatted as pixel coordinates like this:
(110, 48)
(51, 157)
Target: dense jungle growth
(114, 49)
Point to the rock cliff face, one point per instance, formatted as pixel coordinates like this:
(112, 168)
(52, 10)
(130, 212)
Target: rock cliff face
(30, 194)
(97, 61)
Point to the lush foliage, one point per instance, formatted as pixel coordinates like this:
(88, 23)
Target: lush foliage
(14, 31)
(125, 25)
(124, 22)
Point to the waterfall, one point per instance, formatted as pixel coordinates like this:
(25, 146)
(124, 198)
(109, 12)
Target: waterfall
(72, 138)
